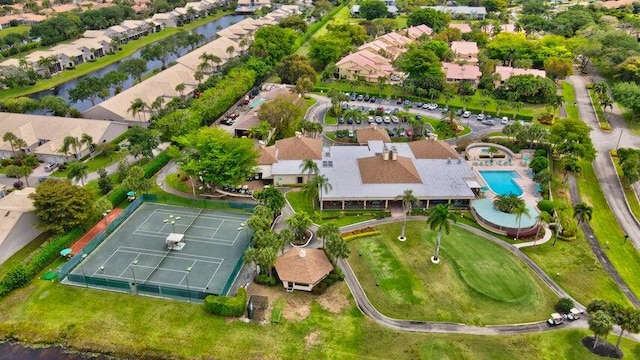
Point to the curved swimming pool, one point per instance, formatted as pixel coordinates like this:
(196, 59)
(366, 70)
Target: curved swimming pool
(502, 182)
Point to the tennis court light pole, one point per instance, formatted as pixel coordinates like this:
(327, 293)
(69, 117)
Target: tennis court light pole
(133, 264)
(187, 278)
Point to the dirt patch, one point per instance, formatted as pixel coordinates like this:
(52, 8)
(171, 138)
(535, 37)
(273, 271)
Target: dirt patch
(603, 348)
(335, 299)
(312, 339)
(297, 305)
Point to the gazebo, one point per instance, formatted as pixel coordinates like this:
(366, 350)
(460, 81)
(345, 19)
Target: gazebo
(302, 269)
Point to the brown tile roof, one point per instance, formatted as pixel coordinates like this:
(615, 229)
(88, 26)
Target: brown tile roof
(432, 149)
(376, 170)
(303, 266)
(298, 148)
(372, 133)
(267, 156)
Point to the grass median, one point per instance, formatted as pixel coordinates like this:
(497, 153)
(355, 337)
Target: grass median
(569, 95)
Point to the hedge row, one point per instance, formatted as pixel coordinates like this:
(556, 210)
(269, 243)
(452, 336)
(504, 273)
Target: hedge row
(315, 27)
(357, 236)
(20, 275)
(119, 194)
(226, 305)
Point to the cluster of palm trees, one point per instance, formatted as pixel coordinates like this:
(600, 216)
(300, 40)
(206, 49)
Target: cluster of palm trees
(140, 107)
(77, 170)
(316, 186)
(605, 101)
(604, 314)
(512, 204)
(332, 242)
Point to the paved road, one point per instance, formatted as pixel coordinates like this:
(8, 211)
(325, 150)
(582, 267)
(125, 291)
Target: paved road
(604, 142)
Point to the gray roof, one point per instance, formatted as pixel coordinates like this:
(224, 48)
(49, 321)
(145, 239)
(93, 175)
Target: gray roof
(464, 10)
(441, 178)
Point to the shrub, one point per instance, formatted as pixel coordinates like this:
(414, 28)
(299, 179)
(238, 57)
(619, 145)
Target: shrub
(547, 119)
(117, 196)
(540, 152)
(564, 305)
(334, 276)
(365, 230)
(51, 251)
(605, 127)
(16, 277)
(539, 163)
(263, 279)
(18, 184)
(12, 171)
(156, 164)
(7, 162)
(547, 206)
(226, 305)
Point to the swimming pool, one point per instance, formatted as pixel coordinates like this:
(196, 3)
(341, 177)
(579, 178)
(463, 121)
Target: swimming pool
(502, 182)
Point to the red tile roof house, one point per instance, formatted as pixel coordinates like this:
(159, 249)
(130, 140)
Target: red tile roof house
(464, 28)
(365, 64)
(455, 73)
(466, 51)
(506, 72)
(416, 32)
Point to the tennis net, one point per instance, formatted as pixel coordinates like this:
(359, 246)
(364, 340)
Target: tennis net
(157, 266)
(193, 221)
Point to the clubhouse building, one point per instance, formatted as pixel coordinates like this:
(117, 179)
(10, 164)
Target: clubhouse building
(374, 176)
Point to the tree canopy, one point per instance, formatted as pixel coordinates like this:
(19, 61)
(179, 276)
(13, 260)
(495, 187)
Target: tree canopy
(432, 18)
(373, 9)
(61, 206)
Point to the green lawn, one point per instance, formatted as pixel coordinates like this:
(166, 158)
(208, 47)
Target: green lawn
(14, 30)
(89, 67)
(96, 163)
(602, 119)
(177, 181)
(629, 192)
(145, 327)
(624, 257)
(476, 282)
(569, 101)
(581, 274)
(633, 125)
(299, 202)
(341, 16)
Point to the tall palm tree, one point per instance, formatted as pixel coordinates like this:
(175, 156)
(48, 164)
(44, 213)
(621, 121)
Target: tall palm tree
(601, 324)
(606, 102)
(327, 230)
(137, 107)
(484, 103)
(582, 211)
(492, 151)
(322, 182)
(11, 138)
(86, 140)
(629, 321)
(310, 191)
(407, 201)
(180, 88)
(544, 218)
(518, 211)
(500, 105)
(447, 98)
(298, 224)
(517, 106)
(78, 171)
(440, 218)
(310, 166)
(69, 144)
(230, 51)
(156, 105)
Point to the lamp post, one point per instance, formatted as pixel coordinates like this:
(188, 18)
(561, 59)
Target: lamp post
(104, 216)
(243, 227)
(133, 264)
(172, 220)
(187, 278)
(84, 277)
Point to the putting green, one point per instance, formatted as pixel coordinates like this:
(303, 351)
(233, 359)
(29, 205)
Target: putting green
(476, 282)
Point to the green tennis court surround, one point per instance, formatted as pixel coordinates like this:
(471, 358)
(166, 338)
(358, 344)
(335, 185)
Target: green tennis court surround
(137, 256)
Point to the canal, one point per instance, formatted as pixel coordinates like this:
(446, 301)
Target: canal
(208, 30)
(14, 351)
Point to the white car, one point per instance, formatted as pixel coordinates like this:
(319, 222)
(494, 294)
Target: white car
(505, 120)
(432, 106)
(394, 119)
(387, 120)
(466, 114)
(370, 119)
(489, 122)
(480, 117)
(351, 133)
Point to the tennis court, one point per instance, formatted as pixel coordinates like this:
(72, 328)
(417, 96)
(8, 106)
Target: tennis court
(136, 257)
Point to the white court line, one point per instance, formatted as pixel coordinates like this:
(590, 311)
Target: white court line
(172, 285)
(180, 256)
(214, 275)
(204, 215)
(164, 236)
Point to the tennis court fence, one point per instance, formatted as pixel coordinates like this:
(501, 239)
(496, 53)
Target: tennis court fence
(65, 271)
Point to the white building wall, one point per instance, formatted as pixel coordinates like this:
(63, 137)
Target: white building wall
(23, 232)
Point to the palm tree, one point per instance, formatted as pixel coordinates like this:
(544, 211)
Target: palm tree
(582, 211)
(78, 171)
(555, 103)
(87, 140)
(180, 88)
(46, 63)
(230, 51)
(570, 164)
(628, 321)
(12, 139)
(492, 151)
(500, 105)
(310, 167)
(407, 201)
(337, 248)
(322, 182)
(310, 191)
(298, 224)
(517, 106)
(447, 98)
(519, 210)
(156, 105)
(243, 44)
(137, 107)
(440, 218)
(382, 82)
(70, 143)
(543, 219)
(484, 103)
(606, 102)
(327, 231)
(601, 324)
(198, 75)
(600, 88)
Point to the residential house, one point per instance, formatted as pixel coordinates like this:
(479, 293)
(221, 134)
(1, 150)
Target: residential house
(506, 72)
(18, 225)
(69, 55)
(165, 19)
(417, 32)
(466, 51)
(365, 65)
(464, 28)
(464, 12)
(455, 73)
(251, 6)
(372, 133)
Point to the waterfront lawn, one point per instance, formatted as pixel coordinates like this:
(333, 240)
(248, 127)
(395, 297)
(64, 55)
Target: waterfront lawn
(144, 327)
(569, 101)
(476, 282)
(624, 257)
(299, 202)
(87, 68)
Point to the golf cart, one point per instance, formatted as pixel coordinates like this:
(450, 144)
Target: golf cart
(574, 314)
(556, 319)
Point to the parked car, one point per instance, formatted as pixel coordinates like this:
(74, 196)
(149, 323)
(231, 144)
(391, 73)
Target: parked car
(350, 120)
(378, 119)
(466, 114)
(574, 314)
(395, 120)
(340, 120)
(391, 132)
(351, 134)
(425, 106)
(387, 120)
(480, 117)
(372, 99)
(345, 106)
(353, 97)
(432, 107)
(505, 120)
(370, 120)
(419, 117)
(399, 101)
(366, 98)
(419, 104)
(488, 122)
(50, 167)
(409, 133)
(360, 97)
(407, 103)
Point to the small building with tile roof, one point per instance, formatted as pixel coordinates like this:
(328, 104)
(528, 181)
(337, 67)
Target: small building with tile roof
(372, 133)
(302, 269)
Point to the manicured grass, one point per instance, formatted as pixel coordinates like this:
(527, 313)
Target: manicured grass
(581, 274)
(99, 162)
(569, 101)
(476, 281)
(629, 192)
(495, 133)
(310, 101)
(14, 30)
(89, 67)
(341, 17)
(330, 119)
(633, 125)
(177, 181)
(624, 257)
(299, 202)
(145, 327)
